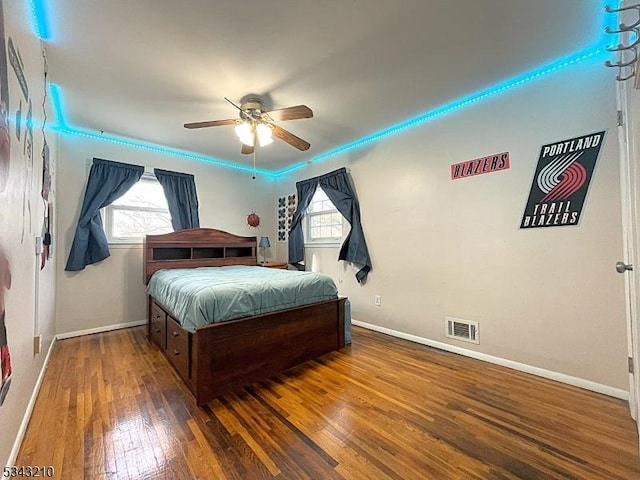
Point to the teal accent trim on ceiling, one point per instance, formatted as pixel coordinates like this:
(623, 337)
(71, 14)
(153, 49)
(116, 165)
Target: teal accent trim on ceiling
(127, 142)
(456, 105)
(598, 49)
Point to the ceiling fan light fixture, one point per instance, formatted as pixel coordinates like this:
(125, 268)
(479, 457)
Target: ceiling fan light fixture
(264, 134)
(244, 132)
(256, 124)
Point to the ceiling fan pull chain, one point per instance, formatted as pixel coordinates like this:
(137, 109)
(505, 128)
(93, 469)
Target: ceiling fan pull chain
(254, 162)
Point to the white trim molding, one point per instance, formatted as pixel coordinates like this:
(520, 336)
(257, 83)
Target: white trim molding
(29, 410)
(107, 328)
(523, 367)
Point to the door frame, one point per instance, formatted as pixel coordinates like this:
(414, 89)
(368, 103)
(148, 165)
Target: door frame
(629, 146)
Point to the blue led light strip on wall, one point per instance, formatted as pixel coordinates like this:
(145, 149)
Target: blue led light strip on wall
(57, 105)
(40, 19)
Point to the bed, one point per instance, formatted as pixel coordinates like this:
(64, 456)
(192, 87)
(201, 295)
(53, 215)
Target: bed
(231, 353)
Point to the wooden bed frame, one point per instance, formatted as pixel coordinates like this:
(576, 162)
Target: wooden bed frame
(225, 356)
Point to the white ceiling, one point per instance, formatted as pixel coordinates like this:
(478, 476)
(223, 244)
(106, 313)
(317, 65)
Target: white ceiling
(140, 69)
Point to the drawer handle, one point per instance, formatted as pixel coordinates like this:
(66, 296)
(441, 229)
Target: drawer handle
(157, 330)
(176, 334)
(176, 352)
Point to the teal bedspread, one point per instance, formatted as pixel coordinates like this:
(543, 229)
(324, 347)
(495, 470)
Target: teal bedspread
(199, 296)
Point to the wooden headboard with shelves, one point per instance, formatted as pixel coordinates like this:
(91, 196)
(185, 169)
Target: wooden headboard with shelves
(197, 247)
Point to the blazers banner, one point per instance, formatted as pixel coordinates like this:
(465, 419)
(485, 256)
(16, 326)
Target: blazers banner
(561, 182)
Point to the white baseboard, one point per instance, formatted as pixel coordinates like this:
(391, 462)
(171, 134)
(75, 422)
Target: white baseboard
(541, 372)
(27, 414)
(107, 328)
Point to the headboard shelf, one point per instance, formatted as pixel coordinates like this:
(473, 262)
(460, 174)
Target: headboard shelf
(197, 247)
(207, 252)
(171, 253)
(238, 252)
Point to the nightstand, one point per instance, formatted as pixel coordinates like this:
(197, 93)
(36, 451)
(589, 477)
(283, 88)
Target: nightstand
(280, 265)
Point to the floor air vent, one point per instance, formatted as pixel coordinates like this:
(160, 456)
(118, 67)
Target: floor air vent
(461, 330)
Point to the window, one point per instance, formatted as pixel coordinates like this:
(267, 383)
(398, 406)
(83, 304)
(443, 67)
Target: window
(142, 210)
(324, 223)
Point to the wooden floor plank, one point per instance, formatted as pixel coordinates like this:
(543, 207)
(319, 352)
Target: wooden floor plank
(110, 406)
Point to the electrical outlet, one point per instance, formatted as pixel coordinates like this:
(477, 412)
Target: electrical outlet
(377, 300)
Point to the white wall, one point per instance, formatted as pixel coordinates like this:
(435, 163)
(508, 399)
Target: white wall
(547, 297)
(29, 303)
(112, 291)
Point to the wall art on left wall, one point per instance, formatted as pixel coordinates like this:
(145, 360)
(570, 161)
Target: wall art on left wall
(5, 166)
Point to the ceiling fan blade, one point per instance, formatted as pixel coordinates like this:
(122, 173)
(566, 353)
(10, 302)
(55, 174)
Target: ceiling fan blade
(290, 138)
(246, 149)
(233, 103)
(291, 113)
(213, 123)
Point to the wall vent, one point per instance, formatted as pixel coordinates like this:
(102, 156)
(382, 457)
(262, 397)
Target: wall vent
(464, 330)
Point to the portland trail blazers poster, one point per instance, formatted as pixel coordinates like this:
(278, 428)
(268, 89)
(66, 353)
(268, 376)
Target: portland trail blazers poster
(561, 182)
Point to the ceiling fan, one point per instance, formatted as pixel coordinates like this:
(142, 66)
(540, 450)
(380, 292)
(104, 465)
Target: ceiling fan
(256, 124)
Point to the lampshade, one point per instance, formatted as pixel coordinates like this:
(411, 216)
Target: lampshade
(264, 242)
(264, 134)
(244, 131)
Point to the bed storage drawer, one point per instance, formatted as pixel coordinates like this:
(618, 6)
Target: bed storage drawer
(178, 348)
(158, 326)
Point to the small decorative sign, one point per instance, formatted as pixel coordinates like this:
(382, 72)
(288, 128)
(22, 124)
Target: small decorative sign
(561, 182)
(492, 163)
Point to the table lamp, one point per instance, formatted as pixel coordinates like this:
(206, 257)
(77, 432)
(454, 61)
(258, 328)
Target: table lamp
(264, 243)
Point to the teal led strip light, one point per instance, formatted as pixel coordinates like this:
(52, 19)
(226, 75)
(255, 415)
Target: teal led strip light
(126, 142)
(63, 127)
(40, 19)
(54, 91)
(464, 102)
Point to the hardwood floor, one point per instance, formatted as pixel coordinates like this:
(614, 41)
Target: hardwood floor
(110, 407)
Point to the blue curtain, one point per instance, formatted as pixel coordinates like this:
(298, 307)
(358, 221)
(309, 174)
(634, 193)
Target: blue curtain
(107, 182)
(338, 188)
(354, 248)
(305, 191)
(180, 190)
